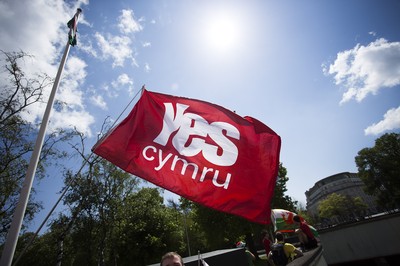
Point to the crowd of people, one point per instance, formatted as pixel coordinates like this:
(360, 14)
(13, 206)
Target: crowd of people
(278, 252)
(282, 253)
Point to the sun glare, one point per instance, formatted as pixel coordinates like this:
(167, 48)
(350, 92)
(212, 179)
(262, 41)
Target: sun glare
(221, 33)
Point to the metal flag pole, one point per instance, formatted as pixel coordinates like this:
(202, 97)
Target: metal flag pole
(13, 232)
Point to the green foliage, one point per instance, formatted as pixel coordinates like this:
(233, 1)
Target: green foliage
(379, 168)
(111, 221)
(148, 229)
(193, 236)
(95, 198)
(341, 207)
(333, 205)
(280, 200)
(221, 230)
(43, 252)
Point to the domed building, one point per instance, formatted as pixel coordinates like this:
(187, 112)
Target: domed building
(347, 184)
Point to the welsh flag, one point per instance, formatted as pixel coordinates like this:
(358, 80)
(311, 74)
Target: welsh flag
(283, 221)
(73, 27)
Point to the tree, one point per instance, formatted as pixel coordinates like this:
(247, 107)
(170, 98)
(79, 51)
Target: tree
(111, 220)
(42, 252)
(359, 206)
(341, 207)
(379, 168)
(95, 198)
(17, 136)
(148, 229)
(333, 206)
(221, 230)
(193, 238)
(280, 200)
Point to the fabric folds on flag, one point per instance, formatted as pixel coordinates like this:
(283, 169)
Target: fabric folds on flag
(283, 221)
(73, 28)
(200, 151)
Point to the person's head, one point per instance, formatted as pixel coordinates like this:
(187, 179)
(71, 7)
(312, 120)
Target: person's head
(171, 259)
(296, 218)
(279, 237)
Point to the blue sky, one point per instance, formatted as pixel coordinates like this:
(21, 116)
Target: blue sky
(324, 75)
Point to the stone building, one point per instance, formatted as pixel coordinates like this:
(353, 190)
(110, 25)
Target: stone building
(343, 183)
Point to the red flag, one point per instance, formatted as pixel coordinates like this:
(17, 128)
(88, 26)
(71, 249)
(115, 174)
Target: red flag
(200, 151)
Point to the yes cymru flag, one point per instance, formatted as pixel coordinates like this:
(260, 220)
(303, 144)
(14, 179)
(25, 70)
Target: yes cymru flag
(200, 151)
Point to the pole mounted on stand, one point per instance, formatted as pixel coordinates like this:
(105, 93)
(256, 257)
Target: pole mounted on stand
(13, 232)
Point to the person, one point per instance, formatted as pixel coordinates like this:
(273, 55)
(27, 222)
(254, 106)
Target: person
(267, 242)
(306, 237)
(250, 245)
(171, 259)
(277, 257)
(249, 255)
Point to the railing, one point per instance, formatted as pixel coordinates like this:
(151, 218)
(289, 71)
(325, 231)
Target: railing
(362, 240)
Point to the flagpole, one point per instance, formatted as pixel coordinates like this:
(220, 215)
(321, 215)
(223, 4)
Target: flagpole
(12, 236)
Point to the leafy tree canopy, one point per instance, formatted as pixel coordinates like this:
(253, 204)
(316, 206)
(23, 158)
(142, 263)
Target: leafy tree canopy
(341, 206)
(379, 168)
(280, 200)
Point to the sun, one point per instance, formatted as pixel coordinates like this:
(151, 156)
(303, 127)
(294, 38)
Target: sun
(221, 32)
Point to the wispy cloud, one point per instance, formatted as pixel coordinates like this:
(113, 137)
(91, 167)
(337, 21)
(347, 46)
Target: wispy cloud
(70, 113)
(35, 27)
(367, 69)
(116, 47)
(81, 120)
(147, 67)
(99, 101)
(146, 44)
(128, 23)
(391, 121)
(122, 79)
(73, 113)
(87, 47)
